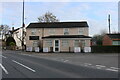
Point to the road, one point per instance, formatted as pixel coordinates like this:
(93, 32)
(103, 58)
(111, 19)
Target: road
(17, 65)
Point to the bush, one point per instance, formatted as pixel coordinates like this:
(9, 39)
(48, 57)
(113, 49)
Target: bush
(9, 40)
(12, 45)
(105, 49)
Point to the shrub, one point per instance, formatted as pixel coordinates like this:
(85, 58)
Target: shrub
(105, 49)
(12, 45)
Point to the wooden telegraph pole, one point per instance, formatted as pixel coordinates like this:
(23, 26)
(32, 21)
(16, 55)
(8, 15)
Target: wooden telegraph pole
(23, 25)
(109, 22)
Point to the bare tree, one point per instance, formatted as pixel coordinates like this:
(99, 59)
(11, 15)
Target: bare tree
(48, 17)
(4, 30)
(98, 38)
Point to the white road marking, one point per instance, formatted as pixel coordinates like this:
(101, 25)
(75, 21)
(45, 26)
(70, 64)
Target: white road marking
(112, 69)
(66, 60)
(87, 64)
(100, 66)
(26, 54)
(3, 56)
(24, 66)
(4, 69)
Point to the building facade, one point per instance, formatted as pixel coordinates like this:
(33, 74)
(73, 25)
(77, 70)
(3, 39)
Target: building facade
(111, 39)
(58, 36)
(17, 35)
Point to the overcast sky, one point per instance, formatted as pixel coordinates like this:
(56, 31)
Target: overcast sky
(95, 13)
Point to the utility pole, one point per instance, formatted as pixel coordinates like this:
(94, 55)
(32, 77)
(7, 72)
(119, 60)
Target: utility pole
(109, 22)
(23, 25)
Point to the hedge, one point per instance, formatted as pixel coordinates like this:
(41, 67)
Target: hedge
(105, 49)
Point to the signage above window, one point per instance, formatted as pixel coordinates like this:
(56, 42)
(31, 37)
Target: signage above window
(33, 37)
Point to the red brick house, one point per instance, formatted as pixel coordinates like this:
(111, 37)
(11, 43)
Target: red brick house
(111, 39)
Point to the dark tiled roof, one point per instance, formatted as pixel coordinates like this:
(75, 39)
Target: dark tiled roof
(114, 36)
(66, 36)
(58, 25)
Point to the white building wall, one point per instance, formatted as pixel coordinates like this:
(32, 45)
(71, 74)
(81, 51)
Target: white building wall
(18, 34)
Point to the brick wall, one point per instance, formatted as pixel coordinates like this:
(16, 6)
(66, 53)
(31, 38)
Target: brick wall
(107, 40)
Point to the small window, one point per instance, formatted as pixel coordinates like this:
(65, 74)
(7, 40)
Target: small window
(76, 43)
(33, 31)
(80, 32)
(66, 31)
(33, 37)
(82, 42)
(115, 42)
(48, 43)
(65, 43)
(35, 44)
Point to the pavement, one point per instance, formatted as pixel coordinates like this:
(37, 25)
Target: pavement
(17, 64)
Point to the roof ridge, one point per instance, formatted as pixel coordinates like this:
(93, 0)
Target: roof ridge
(58, 24)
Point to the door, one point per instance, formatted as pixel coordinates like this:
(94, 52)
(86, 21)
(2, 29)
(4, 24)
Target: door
(56, 46)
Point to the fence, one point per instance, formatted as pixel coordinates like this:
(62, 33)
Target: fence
(105, 49)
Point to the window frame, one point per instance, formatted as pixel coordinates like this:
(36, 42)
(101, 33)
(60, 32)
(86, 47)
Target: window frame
(76, 43)
(49, 43)
(65, 43)
(35, 44)
(66, 31)
(116, 41)
(33, 31)
(81, 31)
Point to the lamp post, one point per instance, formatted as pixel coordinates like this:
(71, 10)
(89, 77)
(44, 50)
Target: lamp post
(23, 25)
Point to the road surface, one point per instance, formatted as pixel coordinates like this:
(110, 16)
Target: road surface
(16, 65)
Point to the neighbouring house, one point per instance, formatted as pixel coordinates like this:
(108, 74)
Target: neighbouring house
(111, 39)
(58, 36)
(17, 35)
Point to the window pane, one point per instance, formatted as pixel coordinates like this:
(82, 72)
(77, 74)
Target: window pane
(76, 43)
(33, 32)
(116, 42)
(35, 44)
(65, 43)
(80, 31)
(49, 43)
(66, 31)
(56, 49)
(56, 43)
(83, 42)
